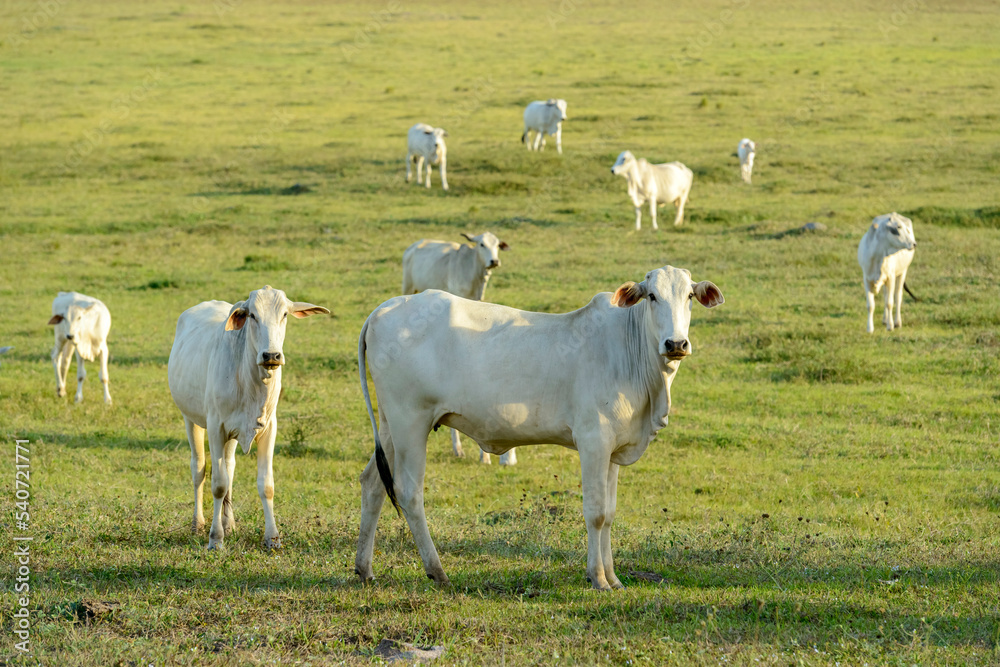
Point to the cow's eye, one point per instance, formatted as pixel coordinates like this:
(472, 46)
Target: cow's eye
(690, 296)
(285, 316)
(252, 316)
(652, 297)
(894, 231)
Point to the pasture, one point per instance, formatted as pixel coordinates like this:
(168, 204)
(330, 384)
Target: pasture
(820, 495)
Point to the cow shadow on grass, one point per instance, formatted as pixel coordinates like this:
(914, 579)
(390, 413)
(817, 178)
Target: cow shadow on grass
(109, 440)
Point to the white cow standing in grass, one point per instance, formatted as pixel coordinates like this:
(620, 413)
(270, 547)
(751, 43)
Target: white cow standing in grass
(658, 184)
(745, 151)
(81, 325)
(885, 253)
(462, 270)
(543, 118)
(596, 380)
(425, 144)
(225, 377)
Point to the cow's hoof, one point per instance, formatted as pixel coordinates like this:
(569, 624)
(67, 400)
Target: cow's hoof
(216, 545)
(272, 543)
(197, 525)
(78, 398)
(61, 393)
(107, 401)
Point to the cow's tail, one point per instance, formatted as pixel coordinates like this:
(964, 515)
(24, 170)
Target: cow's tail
(384, 473)
(912, 295)
(524, 136)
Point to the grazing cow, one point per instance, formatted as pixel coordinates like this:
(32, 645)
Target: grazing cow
(543, 118)
(596, 380)
(658, 184)
(426, 144)
(885, 253)
(81, 325)
(745, 151)
(462, 270)
(225, 376)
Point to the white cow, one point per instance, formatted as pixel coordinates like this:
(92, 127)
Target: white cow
(745, 151)
(426, 144)
(596, 380)
(462, 270)
(885, 253)
(543, 118)
(81, 325)
(225, 376)
(658, 184)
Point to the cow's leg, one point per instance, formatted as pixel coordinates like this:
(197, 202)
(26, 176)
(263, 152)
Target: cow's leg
(265, 483)
(409, 166)
(410, 444)
(509, 458)
(456, 443)
(103, 374)
(870, 301)
(484, 457)
(890, 292)
(81, 375)
(196, 438)
(372, 498)
(542, 135)
(680, 208)
(612, 505)
(444, 174)
(559, 138)
(61, 356)
(652, 210)
(638, 217)
(594, 465)
(228, 520)
(539, 140)
(899, 299)
(429, 170)
(218, 446)
(420, 169)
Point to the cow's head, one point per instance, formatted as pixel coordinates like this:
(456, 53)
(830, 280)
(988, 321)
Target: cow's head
(749, 147)
(262, 319)
(897, 230)
(488, 248)
(71, 322)
(561, 105)
(439, 135)
(668, 293)
(623, 164)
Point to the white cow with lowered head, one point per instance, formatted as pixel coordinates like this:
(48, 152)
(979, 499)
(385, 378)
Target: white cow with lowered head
(462, 270)
(745, 151)
(225, 377)
(425, 144)
(596, 380)
(81, 325)
(543, 118)
(885, 253)
(659, 184)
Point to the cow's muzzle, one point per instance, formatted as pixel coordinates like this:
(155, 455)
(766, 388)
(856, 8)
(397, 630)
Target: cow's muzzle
(676, 349)
(493, 264)
(272, 359)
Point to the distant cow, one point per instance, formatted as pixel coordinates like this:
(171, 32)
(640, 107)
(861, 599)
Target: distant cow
(658, 184)
(596, 380)
(745, 151)
(462, 270)
(81, 325)
(885, 253)
(544, 118)
(225, 376)
(426, 144)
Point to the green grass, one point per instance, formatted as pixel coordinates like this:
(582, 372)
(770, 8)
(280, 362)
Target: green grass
(820, 495)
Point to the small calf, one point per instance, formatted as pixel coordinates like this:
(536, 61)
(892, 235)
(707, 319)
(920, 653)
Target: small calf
(885, 253)
(81, 325)
(543, 118)
(426, 144)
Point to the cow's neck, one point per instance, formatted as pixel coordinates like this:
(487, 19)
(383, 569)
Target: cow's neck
(257, 398)
(471, 266)
(649, 375)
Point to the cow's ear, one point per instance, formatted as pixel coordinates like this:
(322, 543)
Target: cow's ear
(237, 317)
(302, 309)
(444, 133)
(56, 319)
(708, 294)
(629, 294)
(503, 246)
(468, 238)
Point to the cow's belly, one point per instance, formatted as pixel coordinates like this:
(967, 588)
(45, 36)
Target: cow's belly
(505, 426)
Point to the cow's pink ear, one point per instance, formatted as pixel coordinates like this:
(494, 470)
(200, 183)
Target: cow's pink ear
(237, 318)
(56, 319)
(708, 294)
(302, 309)
(504, 246)
(629, 294)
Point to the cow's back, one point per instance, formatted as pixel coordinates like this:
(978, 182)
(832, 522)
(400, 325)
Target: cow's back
(199, 331)
(426, 265)
(672, 180)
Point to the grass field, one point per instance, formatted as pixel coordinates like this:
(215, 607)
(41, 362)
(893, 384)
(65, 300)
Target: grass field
(820, 496)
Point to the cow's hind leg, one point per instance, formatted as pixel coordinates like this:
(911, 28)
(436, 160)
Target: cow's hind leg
(61, 357)
(196, 438)
(103, 374)
(509, 458)
(680, 208)
(372, 498)
(870, 302)
(890, 292)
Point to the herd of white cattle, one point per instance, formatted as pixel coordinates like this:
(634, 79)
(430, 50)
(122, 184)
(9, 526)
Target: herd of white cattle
(596, 380)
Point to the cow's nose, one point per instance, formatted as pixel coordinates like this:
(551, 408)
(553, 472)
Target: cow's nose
(677, 347)
(494, 263)
(914, 244)
(273, 359)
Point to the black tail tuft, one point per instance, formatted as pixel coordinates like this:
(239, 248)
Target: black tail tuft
(386, 476)
(912, 295)
(523, 137)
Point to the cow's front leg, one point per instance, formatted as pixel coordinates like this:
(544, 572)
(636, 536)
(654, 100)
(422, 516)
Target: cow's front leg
(870, 302)
(539, 139)
(196, 438)
(61, 357)
(444, 174)
(217, 445)
(265, 483)
(103, 374)
(409, 167)
(429, 170)
(679, 218)
(652, 210)
(890, 291)
(609, 519)
(228, 520)
(81, 375)
(594, 464)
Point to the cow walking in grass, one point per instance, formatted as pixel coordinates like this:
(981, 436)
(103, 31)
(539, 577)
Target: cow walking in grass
(225, 377)
(885, 253)
(596, 380)
(543, 118)
(81, 326)
(425, 145)
(658, 184)
(462, 270)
